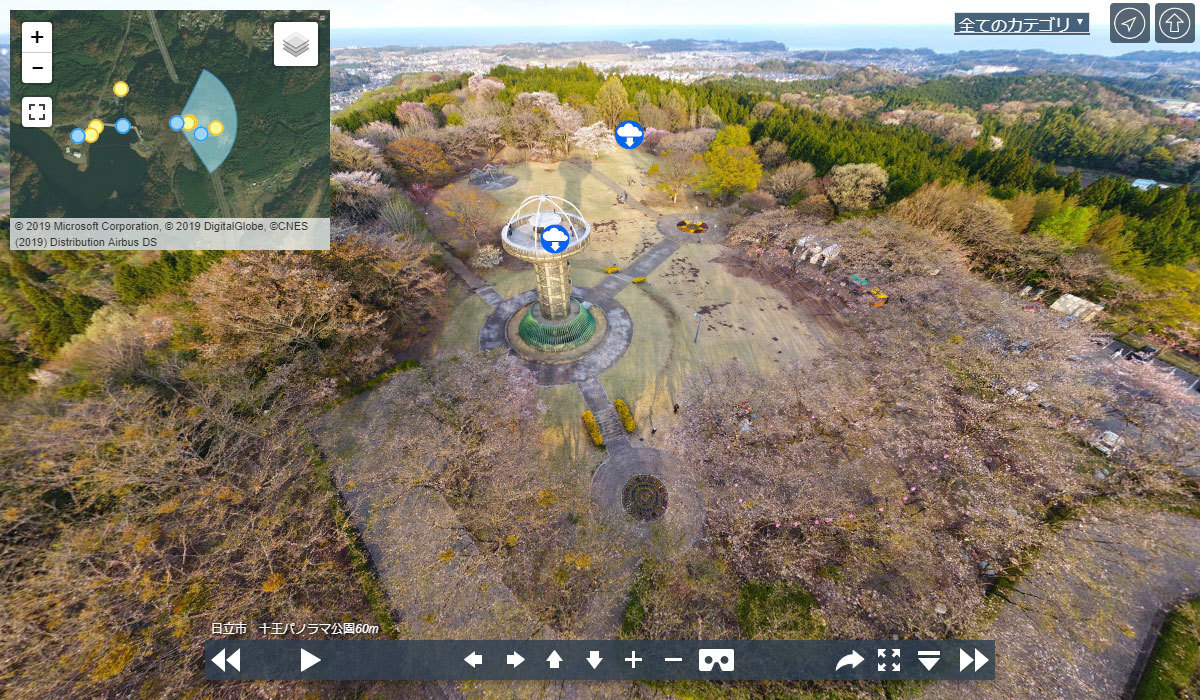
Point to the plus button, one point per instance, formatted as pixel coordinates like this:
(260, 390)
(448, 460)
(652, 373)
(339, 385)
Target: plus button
(37, 36)
(633, 659)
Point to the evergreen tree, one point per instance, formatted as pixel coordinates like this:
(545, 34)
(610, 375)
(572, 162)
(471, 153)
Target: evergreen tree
(612, 101)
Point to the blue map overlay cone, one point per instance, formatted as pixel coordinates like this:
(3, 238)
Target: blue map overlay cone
(210, 100)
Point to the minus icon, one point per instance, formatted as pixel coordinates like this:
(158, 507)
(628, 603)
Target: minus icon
(673, 658)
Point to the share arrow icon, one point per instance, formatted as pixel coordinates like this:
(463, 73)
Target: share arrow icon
(853, 659)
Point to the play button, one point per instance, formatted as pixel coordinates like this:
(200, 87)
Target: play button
(308, 660)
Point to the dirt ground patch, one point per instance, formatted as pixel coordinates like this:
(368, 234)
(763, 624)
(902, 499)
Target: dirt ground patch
(741, 318)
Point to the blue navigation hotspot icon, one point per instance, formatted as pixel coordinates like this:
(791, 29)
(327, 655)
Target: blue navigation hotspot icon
(554, 239)
(122, 126)
(630, 134)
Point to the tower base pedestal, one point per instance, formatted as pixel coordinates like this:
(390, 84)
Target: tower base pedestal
(536, 338)
(559, 335)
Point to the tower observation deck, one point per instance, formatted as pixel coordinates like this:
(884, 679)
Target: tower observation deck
(556, 322)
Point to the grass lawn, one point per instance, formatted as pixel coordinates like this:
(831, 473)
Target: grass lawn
(619, 233)
(512, 282)
(461, 332)
(620, 165)
(566, 443)
(1174, 667)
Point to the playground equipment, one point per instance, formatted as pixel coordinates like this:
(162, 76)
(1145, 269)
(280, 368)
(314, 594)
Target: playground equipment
(490, 177)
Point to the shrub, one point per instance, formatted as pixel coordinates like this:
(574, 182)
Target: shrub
(857, 186)
(402, 217)
(789, 178)
(626, 416)
(756, 201)
(487, 257)
(379, 134)
(358, 195)
(589, 422)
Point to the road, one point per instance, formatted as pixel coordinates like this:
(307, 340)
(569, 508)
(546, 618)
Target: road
(116, 61)
(221, 203)
(162, 47)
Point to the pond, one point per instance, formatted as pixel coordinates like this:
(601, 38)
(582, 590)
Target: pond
(113, 166)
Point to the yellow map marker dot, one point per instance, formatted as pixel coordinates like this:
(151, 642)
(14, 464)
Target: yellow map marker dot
(215, 127)
(97, 126)
(121, 88)
(90, 135)
(189, 122)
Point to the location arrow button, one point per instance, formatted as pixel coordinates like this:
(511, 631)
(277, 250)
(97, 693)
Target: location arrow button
(474, 659)
(514, 659)
(554, 659)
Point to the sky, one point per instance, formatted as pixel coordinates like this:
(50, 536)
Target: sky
(798, 24)
(521, 13)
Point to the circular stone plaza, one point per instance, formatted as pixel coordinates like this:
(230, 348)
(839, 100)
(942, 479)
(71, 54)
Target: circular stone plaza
(569, 334)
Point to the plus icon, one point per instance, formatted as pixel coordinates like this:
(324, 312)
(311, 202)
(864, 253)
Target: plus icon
(633, 659)
(37, 36)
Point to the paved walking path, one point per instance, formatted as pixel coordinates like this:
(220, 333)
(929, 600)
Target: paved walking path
(616, 188)
(469, 278)
(1088, 614)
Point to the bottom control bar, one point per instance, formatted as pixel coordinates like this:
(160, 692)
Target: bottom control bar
(294, 659)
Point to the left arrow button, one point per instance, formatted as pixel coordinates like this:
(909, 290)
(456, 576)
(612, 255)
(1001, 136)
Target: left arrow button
(474, 659)
(308, 660)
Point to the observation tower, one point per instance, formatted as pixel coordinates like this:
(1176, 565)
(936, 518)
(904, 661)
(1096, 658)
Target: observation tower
(547, 232)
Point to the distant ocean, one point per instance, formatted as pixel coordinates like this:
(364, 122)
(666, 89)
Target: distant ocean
(939, 38)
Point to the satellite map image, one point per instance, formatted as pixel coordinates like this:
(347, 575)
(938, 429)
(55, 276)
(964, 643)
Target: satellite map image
(172, 113)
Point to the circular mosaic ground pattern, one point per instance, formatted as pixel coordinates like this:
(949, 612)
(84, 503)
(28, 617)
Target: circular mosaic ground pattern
(692, 226)
(644, 497)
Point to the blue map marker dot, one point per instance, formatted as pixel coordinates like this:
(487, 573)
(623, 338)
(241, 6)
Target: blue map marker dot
(176, 123)
(77, 135)
(200, 133)
(122, 126)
